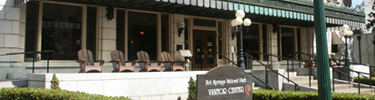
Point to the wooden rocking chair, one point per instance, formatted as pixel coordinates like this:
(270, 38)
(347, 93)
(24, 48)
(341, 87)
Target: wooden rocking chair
(86, 62)
(308, 60)
(144, 62)
(119, 63)
(170, 65)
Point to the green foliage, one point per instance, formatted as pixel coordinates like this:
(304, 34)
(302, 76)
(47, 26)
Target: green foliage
(192, 90)
(357, 31)
(365, 80)
(50, 94)
(55, 82)
(261, 94)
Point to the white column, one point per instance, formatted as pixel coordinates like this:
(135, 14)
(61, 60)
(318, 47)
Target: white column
(12, 37)
(230, 42)
(273, 46)
(107, 34)
(175, 39)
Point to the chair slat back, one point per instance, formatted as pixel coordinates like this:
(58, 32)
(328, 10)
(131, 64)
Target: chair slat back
(87, 55)
(116, 54)
(165, 56)
(143, 56)
(305, 57)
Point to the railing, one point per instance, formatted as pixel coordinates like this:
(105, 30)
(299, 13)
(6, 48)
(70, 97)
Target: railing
(310, 62)
(34, 57)
(360, 74)
(343, 73)
(267, 67)
(333, 77)
(20, 2)
(234, 63)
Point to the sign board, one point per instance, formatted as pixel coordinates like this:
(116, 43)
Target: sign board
(185, 53)
(225, 83)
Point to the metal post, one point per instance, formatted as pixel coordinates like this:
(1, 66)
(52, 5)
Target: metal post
(359, 83)
(347, 65)
(310, 72)
(240, 60)
(346, 51)
(324, 82)
(287, 68)
(34, 56)
(48, 61)
(333, 79)
(359, 49)
(292, 65)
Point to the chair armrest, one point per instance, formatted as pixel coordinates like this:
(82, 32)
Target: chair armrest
(117, 60)
(141, 61)
(101, 62)
(182, 62)
(133, 62)
(81, 60)
(165, 61)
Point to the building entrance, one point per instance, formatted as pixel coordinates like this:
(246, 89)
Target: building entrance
(204, 50)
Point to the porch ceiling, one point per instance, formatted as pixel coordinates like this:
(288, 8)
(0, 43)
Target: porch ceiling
(152, 5)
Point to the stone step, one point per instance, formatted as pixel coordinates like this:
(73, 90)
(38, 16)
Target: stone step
(355, 90)
(13, 83)
(304, 81)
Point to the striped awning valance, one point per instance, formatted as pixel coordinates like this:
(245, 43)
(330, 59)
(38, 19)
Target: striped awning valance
(262, 10)
(20, 2)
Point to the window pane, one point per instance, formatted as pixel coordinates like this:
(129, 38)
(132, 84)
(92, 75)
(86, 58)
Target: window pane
(186, 21)
(120, 30)
(287, 42)
(164, 32)
(219, 31)
(203, 22)
(31, 28)
(61, 31)
(264, 42)
(91, 30)
(251, 39)
(142, 34)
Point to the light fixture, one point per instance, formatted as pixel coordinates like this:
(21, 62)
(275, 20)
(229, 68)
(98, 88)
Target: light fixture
(347, 33)
(275, 28)
(237, 24)
(234, 32)
(181, 28)
(110, 13)
(141, 32)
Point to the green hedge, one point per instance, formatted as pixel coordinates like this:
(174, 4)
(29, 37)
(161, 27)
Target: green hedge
(262, 94)
(365, 80)
(50, 94)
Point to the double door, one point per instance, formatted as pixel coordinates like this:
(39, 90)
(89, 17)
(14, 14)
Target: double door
(204, 50)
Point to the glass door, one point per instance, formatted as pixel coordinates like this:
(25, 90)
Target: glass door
(204, 50)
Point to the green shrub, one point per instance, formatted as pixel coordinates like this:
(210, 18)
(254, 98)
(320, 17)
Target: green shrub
(365, 80)
(262, 94)
(55, 82)
(50, 94)
(192, 90)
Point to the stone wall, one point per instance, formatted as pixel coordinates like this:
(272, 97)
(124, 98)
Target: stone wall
(138, 85)
(12, 37)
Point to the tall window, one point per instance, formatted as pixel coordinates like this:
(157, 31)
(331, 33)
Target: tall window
(165, 32)
(31, 28)
(142, 34)
(120, 30)
(251, 39)
(287, 42)
(91, 30)
(61, 30)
